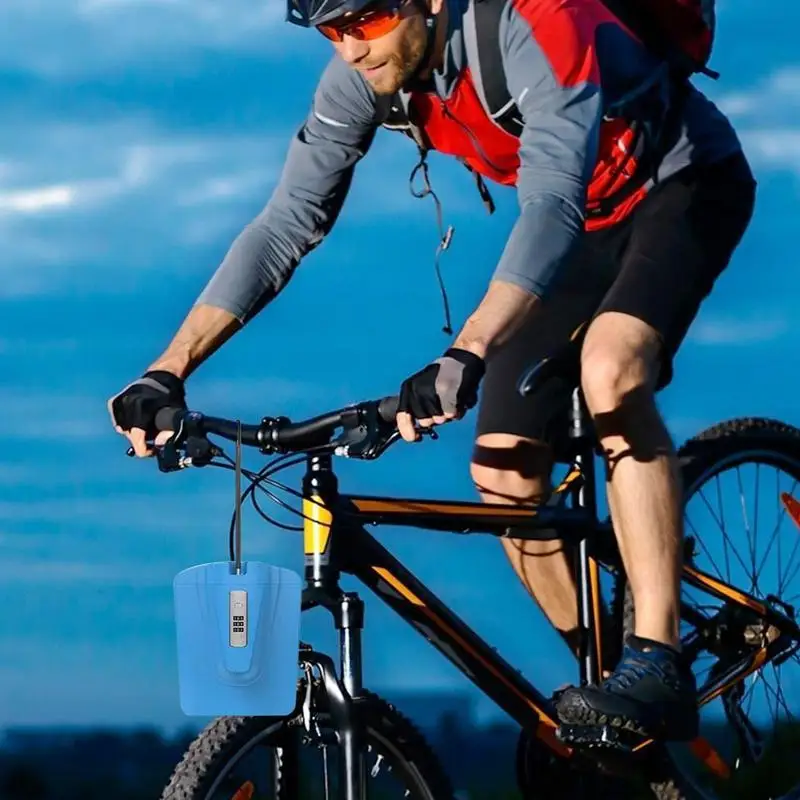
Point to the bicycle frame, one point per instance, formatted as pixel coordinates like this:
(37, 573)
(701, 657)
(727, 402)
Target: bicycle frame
(336, 542)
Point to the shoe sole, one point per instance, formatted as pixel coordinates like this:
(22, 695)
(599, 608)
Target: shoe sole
(590, 717)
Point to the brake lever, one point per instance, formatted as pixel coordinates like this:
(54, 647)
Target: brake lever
(369, 439)
(199, 452)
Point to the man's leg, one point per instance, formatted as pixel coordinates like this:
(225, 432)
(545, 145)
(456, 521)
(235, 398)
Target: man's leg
(620, 367)
(651, 690)
(516, 470)
(512, 458)
(682, 237)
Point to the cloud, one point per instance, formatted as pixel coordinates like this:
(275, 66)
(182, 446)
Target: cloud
(125, 198)
(765, 115)
(127, 157)
(775, 97)
(97, 35)
(774, 148)
(738, 332)
(32, 201)
(131, 196)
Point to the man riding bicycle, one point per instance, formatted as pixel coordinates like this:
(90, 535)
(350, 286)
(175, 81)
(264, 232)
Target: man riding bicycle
(626, 231)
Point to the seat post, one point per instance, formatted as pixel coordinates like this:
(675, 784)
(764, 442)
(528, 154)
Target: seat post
(580, 433)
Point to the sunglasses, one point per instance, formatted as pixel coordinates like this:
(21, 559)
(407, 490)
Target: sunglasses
(380, 20)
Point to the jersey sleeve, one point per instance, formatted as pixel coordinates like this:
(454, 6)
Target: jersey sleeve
(553, 76)
(311, 190)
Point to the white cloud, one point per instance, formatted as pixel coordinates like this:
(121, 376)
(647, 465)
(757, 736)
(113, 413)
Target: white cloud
(123, 193)
(776, 149)
(119, 159)
(97, 35)
(32, 201)
(738, 331)
(766, 117)
(776, 96)
(99, 206)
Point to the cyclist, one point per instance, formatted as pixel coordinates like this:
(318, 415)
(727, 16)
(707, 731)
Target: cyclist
(632, 241)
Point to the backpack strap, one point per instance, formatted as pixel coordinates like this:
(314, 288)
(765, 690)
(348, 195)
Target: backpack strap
(395, 114)
(482, 42)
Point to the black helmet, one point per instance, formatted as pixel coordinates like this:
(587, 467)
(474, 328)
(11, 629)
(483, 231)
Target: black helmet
(310, 13)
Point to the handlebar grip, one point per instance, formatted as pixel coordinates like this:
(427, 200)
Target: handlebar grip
(387, 408)
(167, 419)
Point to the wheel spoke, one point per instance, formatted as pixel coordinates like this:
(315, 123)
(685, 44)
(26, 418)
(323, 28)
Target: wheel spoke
(749, 694)
(770, 566)
(702, 544)
(722, 528)
(748, 532)
(755, 522)
(789, 565)
(781, 517)
(727, 541)
(780, 694)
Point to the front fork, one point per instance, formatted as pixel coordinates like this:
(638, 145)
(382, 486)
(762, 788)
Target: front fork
(339, 691)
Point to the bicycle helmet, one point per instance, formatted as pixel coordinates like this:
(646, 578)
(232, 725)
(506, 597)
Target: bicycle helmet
(310, 13)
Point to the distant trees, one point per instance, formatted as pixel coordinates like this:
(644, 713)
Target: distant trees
(22, 781)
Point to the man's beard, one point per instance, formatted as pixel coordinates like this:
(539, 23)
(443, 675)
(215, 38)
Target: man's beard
(399, 67)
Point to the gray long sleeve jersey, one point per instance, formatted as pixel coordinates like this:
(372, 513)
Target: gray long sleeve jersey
(568, 65)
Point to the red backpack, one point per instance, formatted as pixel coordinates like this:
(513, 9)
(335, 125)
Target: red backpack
(679, 31)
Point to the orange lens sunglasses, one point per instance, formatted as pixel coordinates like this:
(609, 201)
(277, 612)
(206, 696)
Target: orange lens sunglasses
(369, 25)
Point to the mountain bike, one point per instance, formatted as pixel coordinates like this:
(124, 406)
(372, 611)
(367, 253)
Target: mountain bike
(738, 621)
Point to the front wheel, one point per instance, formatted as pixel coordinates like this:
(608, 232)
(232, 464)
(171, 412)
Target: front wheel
(260, 758)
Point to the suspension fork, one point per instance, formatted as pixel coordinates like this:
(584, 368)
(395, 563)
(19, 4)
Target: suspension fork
(345, 720)
(350, 623)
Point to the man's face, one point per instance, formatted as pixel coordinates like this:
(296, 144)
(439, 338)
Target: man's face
(388, 60)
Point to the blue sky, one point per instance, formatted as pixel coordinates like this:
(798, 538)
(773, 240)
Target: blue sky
(139, 136)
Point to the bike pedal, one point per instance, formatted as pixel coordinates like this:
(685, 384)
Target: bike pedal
(599, 737)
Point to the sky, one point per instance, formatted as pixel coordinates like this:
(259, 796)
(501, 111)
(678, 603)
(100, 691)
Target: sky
(138, 138)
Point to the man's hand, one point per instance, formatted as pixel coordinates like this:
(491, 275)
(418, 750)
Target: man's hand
(133, 411)
(448, 388)
(444, 390)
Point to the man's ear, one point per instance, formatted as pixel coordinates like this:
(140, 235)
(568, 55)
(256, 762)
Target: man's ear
(435, 5)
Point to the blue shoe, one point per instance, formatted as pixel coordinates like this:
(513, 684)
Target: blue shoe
(651, 693)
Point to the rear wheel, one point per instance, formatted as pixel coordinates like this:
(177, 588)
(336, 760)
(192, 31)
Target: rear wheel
(258, 758)
(737, 477)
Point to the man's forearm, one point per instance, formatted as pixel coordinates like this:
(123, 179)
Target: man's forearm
(203, 331)
(502, 311)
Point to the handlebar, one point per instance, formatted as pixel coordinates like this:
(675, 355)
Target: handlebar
(368, 429)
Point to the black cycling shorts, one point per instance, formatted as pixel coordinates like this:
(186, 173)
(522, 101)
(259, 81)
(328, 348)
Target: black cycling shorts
(658, 265)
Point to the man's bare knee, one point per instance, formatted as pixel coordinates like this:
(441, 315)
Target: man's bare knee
(511, 469)
(619, 363)
(619, 368)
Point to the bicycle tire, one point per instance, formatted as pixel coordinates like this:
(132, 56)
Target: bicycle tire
(698, 458)
(224, 740)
